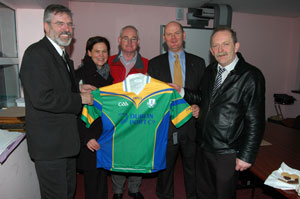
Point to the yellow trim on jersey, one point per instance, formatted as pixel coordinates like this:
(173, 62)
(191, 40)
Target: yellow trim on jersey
(137, 100)
(182, 115)
(88, 116)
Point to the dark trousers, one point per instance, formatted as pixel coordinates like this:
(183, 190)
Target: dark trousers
(118, 181)
(57, 178)
(165, 180)
(216, 175)
(95, 184)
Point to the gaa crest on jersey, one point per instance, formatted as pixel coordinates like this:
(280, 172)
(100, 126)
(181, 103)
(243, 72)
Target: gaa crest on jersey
(151, 103)
(123, 104)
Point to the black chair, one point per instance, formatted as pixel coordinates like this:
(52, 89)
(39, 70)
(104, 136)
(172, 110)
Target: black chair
(297, 123)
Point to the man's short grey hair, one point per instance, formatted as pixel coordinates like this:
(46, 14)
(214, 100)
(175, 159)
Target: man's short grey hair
(131, 27)
(224, 28)
(54, 9)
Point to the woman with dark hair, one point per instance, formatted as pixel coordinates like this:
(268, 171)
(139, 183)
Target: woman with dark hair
(93, 70)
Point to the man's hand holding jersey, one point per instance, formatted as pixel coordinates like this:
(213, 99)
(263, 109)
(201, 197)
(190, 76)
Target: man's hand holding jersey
(195, 108)
(85, 92)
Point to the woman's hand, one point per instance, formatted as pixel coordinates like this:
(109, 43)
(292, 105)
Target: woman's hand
(93, 145)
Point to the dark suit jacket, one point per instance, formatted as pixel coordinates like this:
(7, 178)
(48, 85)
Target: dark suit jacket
(159, 68)
(52, 103)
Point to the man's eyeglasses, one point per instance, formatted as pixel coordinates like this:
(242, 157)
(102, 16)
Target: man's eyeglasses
(62, 24)
(133, 39)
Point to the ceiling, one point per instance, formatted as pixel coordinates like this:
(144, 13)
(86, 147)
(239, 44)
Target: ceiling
(283, 8)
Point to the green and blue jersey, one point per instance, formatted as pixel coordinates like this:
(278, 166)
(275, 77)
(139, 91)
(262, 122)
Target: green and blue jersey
(135, 126)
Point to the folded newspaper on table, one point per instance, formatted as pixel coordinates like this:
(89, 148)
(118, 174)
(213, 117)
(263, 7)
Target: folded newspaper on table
(284, 178)
(8, 142)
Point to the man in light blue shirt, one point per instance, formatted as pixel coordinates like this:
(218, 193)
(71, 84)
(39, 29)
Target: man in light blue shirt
(186, 71)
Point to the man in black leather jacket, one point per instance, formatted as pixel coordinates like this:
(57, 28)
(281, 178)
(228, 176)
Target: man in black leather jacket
(232, 118)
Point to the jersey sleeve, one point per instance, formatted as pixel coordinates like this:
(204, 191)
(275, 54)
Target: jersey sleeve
(89, 115)
(180, 111)
(91, 112)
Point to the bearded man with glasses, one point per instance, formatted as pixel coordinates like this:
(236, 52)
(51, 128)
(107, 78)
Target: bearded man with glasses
(53, 102)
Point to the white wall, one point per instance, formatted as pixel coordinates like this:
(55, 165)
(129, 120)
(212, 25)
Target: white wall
(18, 176)
(29, 28)
(270, 43)
(107, 19)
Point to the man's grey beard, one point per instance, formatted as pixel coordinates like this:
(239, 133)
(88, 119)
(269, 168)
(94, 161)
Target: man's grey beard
(58, 40)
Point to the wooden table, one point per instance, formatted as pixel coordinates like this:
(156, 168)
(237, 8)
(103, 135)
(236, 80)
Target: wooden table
(285, 147)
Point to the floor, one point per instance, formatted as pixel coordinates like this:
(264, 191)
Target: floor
(149, 183)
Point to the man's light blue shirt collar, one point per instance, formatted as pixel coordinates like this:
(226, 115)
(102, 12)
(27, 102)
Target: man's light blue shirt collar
(181, 55)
